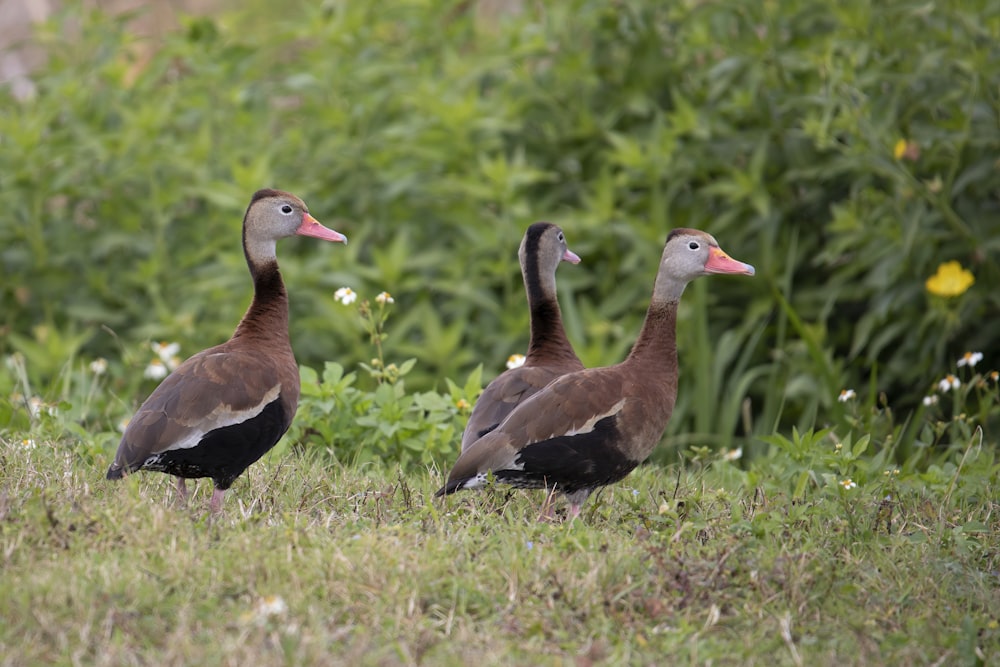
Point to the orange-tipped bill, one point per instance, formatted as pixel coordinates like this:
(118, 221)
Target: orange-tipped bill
(571, 257)
(311, 227)
(720, 262)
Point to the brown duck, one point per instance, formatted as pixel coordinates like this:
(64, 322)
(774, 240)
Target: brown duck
(226, 406)
(550, 353)
(591, 428)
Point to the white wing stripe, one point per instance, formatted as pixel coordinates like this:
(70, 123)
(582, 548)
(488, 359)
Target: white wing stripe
(221, 416)
(588, 425)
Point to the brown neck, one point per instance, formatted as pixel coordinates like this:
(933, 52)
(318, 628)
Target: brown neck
(655, 349)
(548, 337)
(267, 316)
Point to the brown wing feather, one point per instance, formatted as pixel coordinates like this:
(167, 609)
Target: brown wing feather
(218, 387)
(503, 395)
(570, 403)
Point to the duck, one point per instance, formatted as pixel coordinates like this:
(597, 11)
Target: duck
(550, 354)
(591, 428)
(225, 407)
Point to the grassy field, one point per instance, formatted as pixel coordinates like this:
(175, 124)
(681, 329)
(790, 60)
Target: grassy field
(319, 564)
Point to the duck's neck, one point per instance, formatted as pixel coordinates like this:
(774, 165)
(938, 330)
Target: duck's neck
(267, 316)
(655, 349)
(548, 338)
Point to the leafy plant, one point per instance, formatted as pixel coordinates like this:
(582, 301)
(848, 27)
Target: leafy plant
(847, 151)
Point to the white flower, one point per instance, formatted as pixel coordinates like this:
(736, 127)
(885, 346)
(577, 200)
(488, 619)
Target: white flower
(166, 351)
(733, 454)
(384, 298)
(345, 295)
(172, 363)
(28, 443)
(272, 605)
(266, 608)
(99, 366)
(123, 424)
(949, 382)
(970, 359)
(156, 370)
(36, 405)
(930, 400)
(515, 361)
(848, 484)
(846, 395)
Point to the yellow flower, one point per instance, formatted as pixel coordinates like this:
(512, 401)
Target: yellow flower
(900, 148)
(909, 150)
(462, 404)
(950, 280)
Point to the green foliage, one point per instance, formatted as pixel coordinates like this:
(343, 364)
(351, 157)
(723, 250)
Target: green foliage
(846, 150)
(386, 424)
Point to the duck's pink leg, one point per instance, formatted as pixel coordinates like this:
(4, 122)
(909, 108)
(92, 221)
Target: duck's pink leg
(182, 492)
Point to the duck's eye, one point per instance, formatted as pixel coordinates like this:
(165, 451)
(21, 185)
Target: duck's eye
(286, 209)
(561, 237)
(694, 245)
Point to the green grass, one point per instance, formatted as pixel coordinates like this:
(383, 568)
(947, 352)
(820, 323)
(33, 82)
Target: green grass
(705, 564)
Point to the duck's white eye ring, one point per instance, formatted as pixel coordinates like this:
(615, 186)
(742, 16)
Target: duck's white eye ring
(693, 245)
(286, 209)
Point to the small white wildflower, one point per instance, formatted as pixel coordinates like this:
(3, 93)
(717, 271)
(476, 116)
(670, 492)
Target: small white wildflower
(970, 359)
(846, 395)
(271, 605)
(37, 405)
(733, 454)
(949, 382)
(530, 545)
(28, 443)
(515, 361)
(99, 366)
(384, 298)
(930, 400)
(994, 375)
(266, 608)
(156, 370)
(166, 351)
(123, 424)
(848, 484)
(345, 295)
(172, 363)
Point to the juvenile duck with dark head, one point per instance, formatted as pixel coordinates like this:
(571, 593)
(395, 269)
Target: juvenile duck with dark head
(550, 353)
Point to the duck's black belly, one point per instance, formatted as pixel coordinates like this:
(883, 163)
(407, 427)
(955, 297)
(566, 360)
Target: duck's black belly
(572, 463)
(223, 454)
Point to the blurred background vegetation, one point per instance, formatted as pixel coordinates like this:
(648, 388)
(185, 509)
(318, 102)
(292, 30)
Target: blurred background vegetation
(848, 150)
